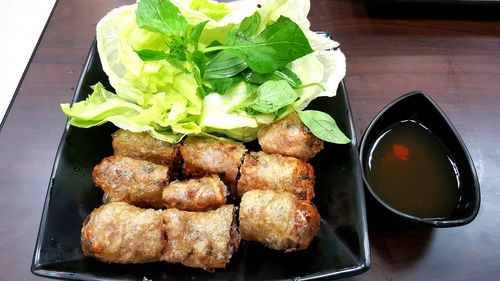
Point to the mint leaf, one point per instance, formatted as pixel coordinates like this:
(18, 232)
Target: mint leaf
(273, 95)
(160, 16)
(323, 126)
(278, 45)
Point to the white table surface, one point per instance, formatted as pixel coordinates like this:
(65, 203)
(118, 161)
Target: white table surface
(21, 24)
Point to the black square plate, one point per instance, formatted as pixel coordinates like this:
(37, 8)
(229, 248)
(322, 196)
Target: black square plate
(341, 248)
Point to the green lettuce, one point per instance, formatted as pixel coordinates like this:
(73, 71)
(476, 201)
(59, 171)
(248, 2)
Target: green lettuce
(201, 67)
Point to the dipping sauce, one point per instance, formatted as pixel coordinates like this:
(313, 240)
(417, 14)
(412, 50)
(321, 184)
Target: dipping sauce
(411, 170)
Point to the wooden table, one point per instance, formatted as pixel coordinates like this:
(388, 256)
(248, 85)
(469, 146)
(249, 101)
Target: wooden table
(456, 61)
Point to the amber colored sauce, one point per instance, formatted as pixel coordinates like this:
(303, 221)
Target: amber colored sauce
(412, 171)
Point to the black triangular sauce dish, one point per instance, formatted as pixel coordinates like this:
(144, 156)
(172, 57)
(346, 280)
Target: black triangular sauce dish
(419, 109)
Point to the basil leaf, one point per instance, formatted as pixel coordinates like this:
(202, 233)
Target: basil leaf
(250, 25)
(160, 16)
(178, 64)
(196, 33)
(323, 126)
(178, 49)
(282, 74)
(247, 100)
(225, 64)
(151, 55)
(211, 55)
(256, 78)
(174, 59)
(222, 85)
(247, 29)
(273, 95)
(278, 45)
(288, 75)
(199, 59)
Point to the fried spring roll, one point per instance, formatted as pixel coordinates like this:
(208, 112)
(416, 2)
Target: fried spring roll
(201, 194)
(144, 147)
(289, 137)
(201, 239)
(136, 182)
(208, 156)
(121, 233)
(278, 220)
(275, 172)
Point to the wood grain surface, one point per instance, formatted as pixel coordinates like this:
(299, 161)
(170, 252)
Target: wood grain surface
(456, 61)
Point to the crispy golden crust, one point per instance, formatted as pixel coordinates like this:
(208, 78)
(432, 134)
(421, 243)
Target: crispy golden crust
(275, 172)
(144, 147)
(208, 156)
(278, 220)
(201, 194)
(289, 137)
(121, 233)
(125, 179)
(201, 239)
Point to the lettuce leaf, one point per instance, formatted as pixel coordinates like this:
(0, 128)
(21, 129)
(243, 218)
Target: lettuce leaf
(166, 95)
(100, 105)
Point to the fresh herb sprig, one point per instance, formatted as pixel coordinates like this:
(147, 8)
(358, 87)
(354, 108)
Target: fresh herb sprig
(259, 58)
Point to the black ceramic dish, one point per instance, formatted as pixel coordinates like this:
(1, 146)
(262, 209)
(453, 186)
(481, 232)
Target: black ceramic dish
(419, 107)
(341, 248)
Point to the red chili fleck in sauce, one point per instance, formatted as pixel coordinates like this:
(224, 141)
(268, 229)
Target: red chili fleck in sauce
(401, 151)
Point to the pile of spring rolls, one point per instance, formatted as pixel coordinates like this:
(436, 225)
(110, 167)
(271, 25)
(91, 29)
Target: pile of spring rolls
(168, 202)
